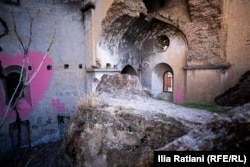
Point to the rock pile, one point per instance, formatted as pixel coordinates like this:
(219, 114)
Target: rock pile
(237, 95)
(121, 84)
(230, 132)
(124, 128)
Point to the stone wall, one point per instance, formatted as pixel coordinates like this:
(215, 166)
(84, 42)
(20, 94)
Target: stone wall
(49, 100)
(207, 51)
(205, 32)
(209, 29)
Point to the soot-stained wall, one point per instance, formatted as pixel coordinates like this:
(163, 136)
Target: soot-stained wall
(209, 30)
(141, 45)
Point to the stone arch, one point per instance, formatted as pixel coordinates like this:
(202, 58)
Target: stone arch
(128, 69)
(158, 82)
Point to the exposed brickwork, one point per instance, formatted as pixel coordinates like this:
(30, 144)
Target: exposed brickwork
(204, 31)
(122, 7)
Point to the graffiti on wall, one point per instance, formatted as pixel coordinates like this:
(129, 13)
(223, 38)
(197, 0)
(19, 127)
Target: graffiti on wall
(58, 105)
(35, 90)
(180, 95)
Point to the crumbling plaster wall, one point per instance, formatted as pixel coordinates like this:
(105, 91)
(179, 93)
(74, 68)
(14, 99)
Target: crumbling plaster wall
(174, 56)
(205, 32)
(209, 27)
(234, 51)
(237, 16)
(202, 35)
(200, 20)
(120, 15)
(50, 101)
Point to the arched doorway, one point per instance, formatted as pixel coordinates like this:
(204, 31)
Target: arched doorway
(128, 69)
(162, 82)
(12, 83)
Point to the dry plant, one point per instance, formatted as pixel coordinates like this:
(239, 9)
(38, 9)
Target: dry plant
(86, 103)
(88, 100)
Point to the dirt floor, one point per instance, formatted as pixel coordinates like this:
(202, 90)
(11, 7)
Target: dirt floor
(43, 155)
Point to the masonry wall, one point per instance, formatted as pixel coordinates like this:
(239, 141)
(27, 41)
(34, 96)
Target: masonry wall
(207, 53)
(216, 34)
(49, 100)
(217, 44)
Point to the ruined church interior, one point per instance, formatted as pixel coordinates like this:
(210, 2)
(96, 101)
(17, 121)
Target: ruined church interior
(108, 83)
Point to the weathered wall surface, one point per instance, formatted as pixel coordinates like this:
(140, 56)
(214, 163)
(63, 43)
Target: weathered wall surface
(210, 30)
(205, 32)
(207, 52)
(129, 37)
(206, 82)
(218, 36)
(49, 100)
(238, 40)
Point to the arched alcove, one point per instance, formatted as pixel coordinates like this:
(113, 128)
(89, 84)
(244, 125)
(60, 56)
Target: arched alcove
(163, 81)
(128, 69)
(12, 80)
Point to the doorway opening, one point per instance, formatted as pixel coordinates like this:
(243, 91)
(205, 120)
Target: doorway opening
(128, 69)
(13, 83)
(163, 82)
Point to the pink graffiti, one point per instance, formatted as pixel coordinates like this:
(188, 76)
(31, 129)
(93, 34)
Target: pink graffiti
(180, 96)
(37, 87)
(60, 107)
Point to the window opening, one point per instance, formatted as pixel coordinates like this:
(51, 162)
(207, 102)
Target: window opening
(49, 67)
(168, 82)
(29, 68)
(162, 42)
(66, 66)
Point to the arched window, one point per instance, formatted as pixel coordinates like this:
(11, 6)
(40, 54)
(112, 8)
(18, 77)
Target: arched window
(168, 81)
